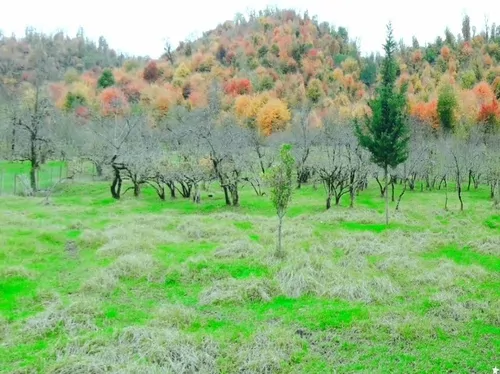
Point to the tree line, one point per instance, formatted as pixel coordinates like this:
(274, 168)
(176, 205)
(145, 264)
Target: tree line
(179, 153)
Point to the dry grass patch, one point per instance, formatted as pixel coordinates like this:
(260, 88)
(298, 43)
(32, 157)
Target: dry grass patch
(79, 315)
(174, 315)
(308, 274)
(203, 228)
(138, 350)
(239, 249)
(239, 291)
(135, 265)
(103, 282)
(270, 351)
(17, 271)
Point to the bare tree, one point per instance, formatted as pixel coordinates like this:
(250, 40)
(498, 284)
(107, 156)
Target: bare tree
(492, 166)
(341, 164)
(223, 141)
(114, 136)
(169, 52)
(304, 138)
(456, 161)
(31, 114)
(420, 148)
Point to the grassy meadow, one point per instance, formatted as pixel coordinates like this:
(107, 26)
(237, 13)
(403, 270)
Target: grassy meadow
(93, 285)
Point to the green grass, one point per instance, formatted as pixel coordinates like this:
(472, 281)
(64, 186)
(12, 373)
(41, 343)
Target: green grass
(89, 284)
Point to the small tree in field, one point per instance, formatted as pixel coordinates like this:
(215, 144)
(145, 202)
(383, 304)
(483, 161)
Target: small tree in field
(386, 133)
(280, 180)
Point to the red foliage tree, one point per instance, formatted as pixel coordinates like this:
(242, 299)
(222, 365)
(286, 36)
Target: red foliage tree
(489, 113)
(238, 86)
(151, 72)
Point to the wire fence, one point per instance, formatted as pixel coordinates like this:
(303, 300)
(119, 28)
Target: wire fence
(15, 178)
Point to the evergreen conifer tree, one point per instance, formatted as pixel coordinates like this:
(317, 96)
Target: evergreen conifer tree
(385, 133)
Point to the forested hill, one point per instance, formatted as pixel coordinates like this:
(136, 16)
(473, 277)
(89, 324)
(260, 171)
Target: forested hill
(274, 61)
(18, 60)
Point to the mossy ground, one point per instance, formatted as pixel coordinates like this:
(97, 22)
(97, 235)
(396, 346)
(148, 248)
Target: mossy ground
(89, 284)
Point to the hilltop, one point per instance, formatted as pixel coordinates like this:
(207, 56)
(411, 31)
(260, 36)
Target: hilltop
(65, 54)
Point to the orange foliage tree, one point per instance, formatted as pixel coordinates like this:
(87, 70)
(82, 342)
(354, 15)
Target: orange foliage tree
(113, 101)
(426, 112)
(273, 116)
(489, 113)
(238, 86)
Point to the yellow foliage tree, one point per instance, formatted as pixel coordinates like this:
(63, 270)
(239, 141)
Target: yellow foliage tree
(182, 72)
(273, 116)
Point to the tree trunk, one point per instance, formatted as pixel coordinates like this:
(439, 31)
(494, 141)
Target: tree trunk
(496, 195)
(459, 192)
(337, 199)
(137, 189)
(352, 195)
(161, 193)
(196, 195)
(446, 197)
(279, 249)
(261, 161)
(392, 190)
(386, 175)
(33, 162)
(328, 202)
(33, 183)
(226, 195)
(234, 195)
(299, 179)
(401, 194)
(98, 169)
(470, 180)
(171, 187)
(382, 190)
(13, 144)
(476, 180)
(116, 186)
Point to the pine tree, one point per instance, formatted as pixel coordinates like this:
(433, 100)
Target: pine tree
(106, 79)
(446, 105)
(386, 132)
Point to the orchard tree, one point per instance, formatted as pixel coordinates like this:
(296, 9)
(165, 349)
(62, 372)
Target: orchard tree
(280, 181)
(31, 114)
(304, 137)
(386, 133)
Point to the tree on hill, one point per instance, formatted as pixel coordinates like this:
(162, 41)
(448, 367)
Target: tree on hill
(446, 105)
(106, 79)
(386, 133)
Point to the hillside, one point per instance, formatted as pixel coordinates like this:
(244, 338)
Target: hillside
(64, 53)
(291, 59)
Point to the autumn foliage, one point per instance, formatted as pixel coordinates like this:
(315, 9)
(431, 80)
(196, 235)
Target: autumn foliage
(273, 63)
(273, 116)
(151, 72)
(113, 101)
(237, 86)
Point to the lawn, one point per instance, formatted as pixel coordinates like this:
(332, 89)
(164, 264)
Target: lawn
(93, 285)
